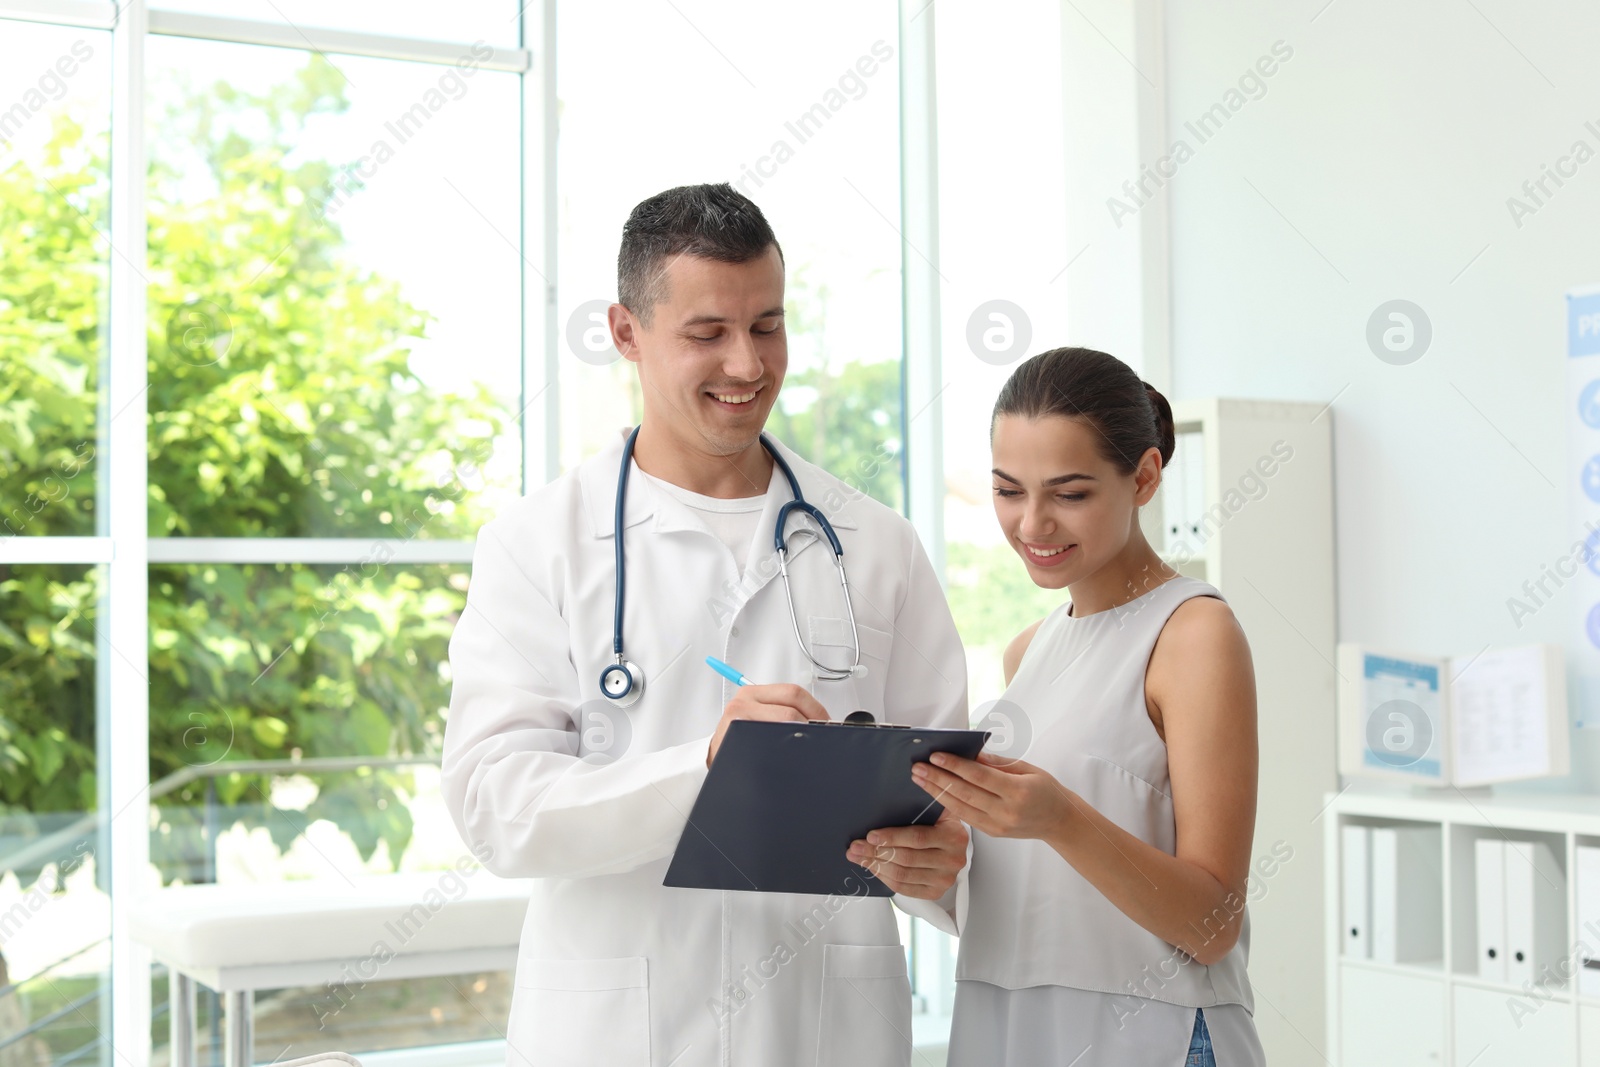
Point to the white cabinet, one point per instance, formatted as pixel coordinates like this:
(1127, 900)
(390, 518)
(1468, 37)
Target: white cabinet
(1589, 1035)
(1457, 1009)
(1391, 1019)
(1494, 1028)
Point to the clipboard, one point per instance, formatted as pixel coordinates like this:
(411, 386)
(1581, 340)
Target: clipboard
(783, 801)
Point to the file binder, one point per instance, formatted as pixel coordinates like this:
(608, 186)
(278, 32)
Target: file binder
(1357, 891)
(1589, 920)
(1407, 895)
(1490, 857)
(1535, 899)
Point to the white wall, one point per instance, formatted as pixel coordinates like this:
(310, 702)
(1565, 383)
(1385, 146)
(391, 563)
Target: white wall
(1115, 288)
(1377, 165)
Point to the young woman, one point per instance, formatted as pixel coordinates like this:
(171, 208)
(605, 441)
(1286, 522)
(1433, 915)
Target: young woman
(1106, 920)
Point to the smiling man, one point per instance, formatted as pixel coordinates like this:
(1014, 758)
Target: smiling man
(583, 721)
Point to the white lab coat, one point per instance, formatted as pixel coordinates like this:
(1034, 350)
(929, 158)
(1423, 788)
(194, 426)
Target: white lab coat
(554, 783)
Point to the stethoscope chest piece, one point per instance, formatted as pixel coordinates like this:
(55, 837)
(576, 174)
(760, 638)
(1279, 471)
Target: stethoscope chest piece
(622, 683)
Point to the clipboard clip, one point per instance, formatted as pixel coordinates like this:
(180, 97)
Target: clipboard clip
(859, 718)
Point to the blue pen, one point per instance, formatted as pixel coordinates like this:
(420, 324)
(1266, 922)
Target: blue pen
(855, 718)
(727, 672)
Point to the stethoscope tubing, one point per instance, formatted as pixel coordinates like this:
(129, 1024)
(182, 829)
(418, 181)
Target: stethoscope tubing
(779, 544)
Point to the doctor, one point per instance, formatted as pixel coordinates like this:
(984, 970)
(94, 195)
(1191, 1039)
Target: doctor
(585, 783)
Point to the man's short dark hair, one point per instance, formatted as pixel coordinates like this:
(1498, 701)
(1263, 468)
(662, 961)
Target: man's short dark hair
(713, 221)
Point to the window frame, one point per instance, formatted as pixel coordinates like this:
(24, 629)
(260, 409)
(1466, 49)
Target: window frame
(121, 543)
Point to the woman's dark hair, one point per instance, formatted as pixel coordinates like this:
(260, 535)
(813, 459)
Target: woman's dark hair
(1129, 414)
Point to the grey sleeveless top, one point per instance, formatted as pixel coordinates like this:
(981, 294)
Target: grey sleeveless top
(1035, 921)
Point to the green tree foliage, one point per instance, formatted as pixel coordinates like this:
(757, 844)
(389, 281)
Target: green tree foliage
(52, 288)
(281, 405)
(845, 420)
(47, 668)
(281, 400)
(991, 595)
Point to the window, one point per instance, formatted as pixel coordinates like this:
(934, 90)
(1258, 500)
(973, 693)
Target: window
(55, 920)
(331, 398)
(335, 318)
(54, 172)
(335, 360)
(55, 917)
(274, 343)
(1004, 256)
(810, 132)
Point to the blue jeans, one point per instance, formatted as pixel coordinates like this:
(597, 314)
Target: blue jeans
(1200, 1043)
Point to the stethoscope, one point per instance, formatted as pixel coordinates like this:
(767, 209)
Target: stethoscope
(623, 681)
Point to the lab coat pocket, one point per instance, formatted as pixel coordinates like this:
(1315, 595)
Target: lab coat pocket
(866, 1007)
(582, 1012)
(831, 643)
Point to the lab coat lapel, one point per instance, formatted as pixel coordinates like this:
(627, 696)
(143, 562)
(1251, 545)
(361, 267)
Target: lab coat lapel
(599, 479)
(761, 565)
(598, 476)
(761, 559)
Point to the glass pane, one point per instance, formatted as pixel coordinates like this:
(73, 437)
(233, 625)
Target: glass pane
(307, 824)
(358, 1018)
(298, 663)
(335, 294)
(55, 86)
(1013, 251)
(290, 661)
(279, 661)
(377, 1015)
(494, 21)
(1002, 242)
(805, 132)
(54, 920)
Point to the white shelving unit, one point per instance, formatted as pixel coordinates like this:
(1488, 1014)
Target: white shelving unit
(1441, 1011)
(1255, 520)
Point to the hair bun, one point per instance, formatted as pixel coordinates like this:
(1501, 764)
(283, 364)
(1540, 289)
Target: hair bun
(1166, 432)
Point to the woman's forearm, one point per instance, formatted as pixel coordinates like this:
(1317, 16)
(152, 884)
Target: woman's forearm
(1180, 902)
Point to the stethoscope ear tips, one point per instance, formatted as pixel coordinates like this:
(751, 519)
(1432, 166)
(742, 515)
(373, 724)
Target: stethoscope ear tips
(835, 674)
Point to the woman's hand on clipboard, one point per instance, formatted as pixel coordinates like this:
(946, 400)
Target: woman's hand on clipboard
(1000, 796)
(766, 703)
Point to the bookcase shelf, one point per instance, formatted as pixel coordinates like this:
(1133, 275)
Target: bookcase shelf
(1425, 969)
(1445, 1013)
